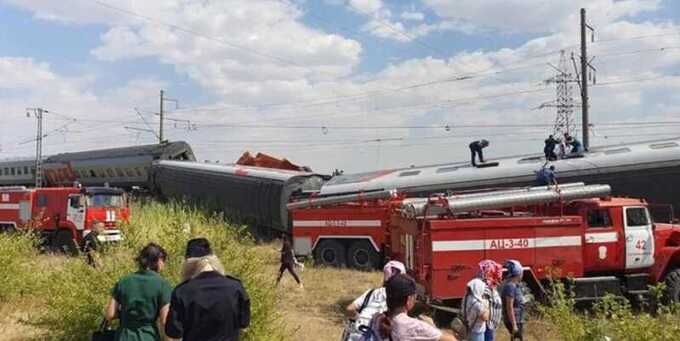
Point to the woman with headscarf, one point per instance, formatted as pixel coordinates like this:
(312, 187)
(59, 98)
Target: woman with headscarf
(491, 273)
(476, 309)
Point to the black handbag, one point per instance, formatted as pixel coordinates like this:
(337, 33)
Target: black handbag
(104, 333)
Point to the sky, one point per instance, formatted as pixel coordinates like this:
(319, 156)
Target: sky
(356, 85)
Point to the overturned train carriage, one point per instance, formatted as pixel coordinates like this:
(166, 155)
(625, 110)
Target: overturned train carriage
(253, 196)
(649, 170)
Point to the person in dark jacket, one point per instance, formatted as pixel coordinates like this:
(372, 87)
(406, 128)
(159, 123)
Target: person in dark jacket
(549, 149)
(288, 262)
(208, 305)
(476, 149)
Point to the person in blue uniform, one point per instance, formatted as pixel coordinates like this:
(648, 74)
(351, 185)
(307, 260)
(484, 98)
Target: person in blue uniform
(546, 176)
(476, 150)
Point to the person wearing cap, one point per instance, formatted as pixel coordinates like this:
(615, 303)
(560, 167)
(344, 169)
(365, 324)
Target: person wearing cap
(141, 299)
(513, 300)
(208, 305)
(394, 324)
(476, 149)
(372, 301)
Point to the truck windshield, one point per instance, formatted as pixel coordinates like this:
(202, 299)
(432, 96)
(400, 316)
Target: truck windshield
(106, 200)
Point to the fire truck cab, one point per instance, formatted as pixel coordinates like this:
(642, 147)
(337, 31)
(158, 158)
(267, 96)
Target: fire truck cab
(606, 245)
(64, 216)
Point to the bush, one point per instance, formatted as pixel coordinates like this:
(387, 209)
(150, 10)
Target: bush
(74, 294)
(17, 254)
(612, 318)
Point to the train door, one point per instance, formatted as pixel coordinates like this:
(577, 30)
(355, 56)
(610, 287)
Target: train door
(639, 238)
(602, 250)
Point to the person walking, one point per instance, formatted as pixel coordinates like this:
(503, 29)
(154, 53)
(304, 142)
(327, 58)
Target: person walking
(549, 149)
(476, 149)
(372, 301)
(141, 299)
(513, 301)
(546, 176)
(394, 324)
(491, 273)
(208, 305)
(288, 262)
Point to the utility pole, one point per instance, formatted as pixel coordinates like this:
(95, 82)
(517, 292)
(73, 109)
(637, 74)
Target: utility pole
(160, 130)
(38, 113)
(162, 114)
(584, 81)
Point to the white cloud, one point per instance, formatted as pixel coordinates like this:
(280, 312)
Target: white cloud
(536, 15)
(366, 6)
(415, 16)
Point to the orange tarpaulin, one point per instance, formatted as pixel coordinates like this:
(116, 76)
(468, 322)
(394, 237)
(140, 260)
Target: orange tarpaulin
(267, 161)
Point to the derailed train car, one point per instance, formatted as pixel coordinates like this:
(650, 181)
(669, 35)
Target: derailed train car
(124, 167)
(253, 196)
(649, 170)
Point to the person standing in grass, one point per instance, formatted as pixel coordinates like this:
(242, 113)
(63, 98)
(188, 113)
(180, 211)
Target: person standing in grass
(288, 262)
(141, 299)
(513, 301)
(209, 305)
(373, 301)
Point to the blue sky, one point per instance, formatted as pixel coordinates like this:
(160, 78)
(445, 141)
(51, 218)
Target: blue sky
(328, 63)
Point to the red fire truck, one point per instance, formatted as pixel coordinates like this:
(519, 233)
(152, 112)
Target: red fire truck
(607, 245)
(64, 215)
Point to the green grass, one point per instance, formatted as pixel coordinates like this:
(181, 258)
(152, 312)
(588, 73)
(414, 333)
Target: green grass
(73, 294)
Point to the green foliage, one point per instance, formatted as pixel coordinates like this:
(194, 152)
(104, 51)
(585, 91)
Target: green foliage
(74, 293)
(17, 250)
(612, 318)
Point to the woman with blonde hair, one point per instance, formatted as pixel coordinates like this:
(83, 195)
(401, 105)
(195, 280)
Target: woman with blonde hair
(208, 304)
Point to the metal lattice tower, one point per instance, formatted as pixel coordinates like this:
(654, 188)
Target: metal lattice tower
(564, 121)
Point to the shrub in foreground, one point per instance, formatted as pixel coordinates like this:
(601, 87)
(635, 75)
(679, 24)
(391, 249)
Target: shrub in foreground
(75, 293)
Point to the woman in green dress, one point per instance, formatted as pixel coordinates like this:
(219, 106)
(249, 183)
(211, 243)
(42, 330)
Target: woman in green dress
(141, 299)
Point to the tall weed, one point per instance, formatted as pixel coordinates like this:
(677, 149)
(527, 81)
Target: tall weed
(74, 294)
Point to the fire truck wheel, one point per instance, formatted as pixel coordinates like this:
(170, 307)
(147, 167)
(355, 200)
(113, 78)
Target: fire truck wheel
(362, 255)
(672, 282)
(63, 242)
(331, 253)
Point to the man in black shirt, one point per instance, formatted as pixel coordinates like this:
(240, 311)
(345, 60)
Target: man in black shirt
(209, 306)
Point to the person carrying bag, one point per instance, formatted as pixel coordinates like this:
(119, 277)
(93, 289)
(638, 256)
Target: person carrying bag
(104, 333)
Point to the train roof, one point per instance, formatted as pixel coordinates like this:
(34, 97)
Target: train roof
(239, 170)
(643, 155)
(157, 150)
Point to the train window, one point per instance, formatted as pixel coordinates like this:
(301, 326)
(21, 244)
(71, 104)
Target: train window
(92, 173)
(129, 172)
(446, 169)
(119, 173)
(25, 169)
(6, 171)
(409, 173)
(139, 172)
(599, 218)
(18, 170)
(32, 170)
(532, 159)
(110, 172)
(13, 170)
(663, 145)
(617, 151)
